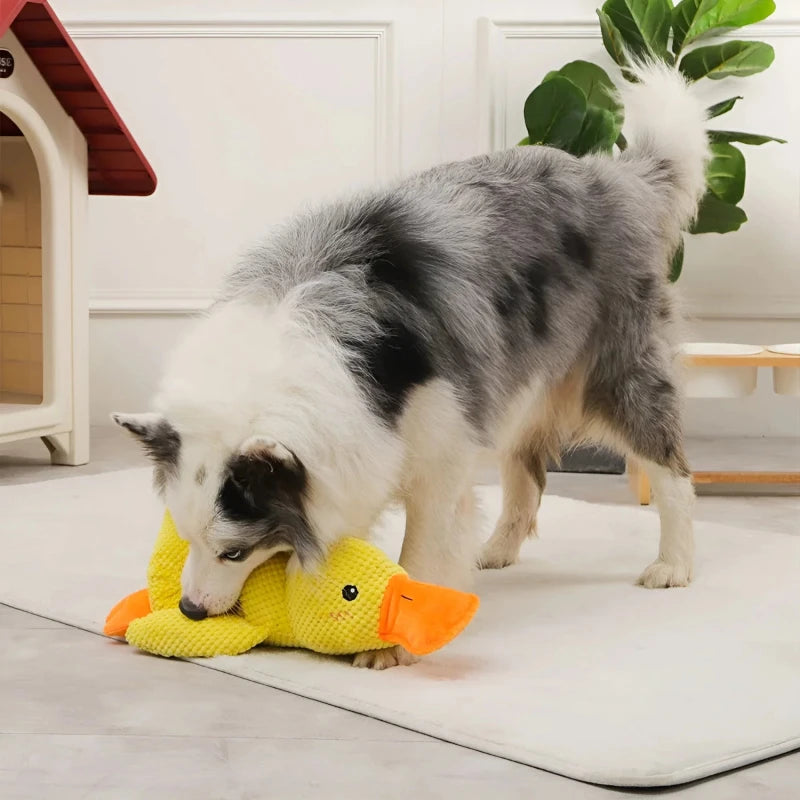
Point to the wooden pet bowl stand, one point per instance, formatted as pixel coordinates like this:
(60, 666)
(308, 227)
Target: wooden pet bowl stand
(766, 358)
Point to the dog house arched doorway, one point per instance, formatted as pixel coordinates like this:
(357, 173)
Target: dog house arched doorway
(21, 344)
(57, 123)
(37, 238)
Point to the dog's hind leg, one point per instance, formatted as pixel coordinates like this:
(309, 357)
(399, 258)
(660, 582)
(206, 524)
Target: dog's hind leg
(674, 494)
(640, 407)
(523, 476)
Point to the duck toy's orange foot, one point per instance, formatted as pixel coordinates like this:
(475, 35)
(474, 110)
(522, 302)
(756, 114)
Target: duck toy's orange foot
(357, 600)
(126, 611)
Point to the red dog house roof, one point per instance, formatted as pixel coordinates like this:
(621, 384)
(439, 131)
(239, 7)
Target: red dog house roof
(116, 164)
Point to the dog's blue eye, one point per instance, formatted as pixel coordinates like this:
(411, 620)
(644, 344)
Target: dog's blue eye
(233, 555)
(350, 592)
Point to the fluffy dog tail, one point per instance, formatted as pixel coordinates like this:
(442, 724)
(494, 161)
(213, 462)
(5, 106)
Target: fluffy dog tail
(667, 124)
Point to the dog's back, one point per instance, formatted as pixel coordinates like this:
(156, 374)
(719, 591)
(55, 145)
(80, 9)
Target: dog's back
(487, 272)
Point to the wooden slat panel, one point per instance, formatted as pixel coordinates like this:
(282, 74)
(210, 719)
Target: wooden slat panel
(722, 476)
(107, 141)
(65, 77)
(33, 12)
(36, 32)
(139, 188)
(766, 358)
(72, 100)
(51, 54)
(115, 160)
(99, 119)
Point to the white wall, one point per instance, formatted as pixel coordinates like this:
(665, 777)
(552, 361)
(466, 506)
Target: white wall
(249, 112)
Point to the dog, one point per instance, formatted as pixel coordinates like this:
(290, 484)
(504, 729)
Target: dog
(373, 348)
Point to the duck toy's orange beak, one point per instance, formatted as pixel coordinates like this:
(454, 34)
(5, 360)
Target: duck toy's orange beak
(423, 617)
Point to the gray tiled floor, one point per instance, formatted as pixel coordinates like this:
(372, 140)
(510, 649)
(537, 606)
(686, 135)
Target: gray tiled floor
(81, 718)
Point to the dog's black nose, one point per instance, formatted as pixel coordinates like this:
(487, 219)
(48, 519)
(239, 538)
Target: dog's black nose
(191, 611)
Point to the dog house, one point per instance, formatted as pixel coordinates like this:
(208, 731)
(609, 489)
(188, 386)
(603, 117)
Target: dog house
(60, 140)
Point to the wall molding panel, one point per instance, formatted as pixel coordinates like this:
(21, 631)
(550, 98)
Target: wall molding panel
(165, 302)
(386, 109)
(158, 302)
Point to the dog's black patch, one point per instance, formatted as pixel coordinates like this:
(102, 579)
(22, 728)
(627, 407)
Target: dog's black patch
(392, 365)
(544, 171)
(645, 288)
(576, 247)
(506, 297)
(536, 466)
(598, 188)
(537, 275)
(492, 189)
(399, 258)
(664, 387)
(265, 495)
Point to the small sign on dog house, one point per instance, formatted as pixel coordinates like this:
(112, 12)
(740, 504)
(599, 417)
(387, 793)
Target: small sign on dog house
(6, 63)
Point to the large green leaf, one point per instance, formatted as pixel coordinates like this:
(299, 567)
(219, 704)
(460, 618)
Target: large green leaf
(714, 216)
(692, 19)
(597, 134)
(740, 136)
(725, 173)
(554, 113)
(723, 107)
(612, 39)
(643, 24)
(676, 265)
(594, 82)
(733, 58)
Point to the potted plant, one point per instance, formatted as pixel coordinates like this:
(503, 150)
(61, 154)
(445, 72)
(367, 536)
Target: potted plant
(577, 109)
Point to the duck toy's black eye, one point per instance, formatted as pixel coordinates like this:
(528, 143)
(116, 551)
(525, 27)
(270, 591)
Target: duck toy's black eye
(350, 592)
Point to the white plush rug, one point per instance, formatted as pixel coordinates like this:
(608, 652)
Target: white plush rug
(568, 666)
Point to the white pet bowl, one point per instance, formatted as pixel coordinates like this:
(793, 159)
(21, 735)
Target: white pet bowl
(786, 380)
(720, 381)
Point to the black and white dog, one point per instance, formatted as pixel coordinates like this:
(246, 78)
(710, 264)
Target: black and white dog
(517, 301)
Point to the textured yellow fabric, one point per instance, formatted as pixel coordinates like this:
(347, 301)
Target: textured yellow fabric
(163, 583)
(294, 609)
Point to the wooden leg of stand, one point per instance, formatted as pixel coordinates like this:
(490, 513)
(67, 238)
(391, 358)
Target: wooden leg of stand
(639, 482)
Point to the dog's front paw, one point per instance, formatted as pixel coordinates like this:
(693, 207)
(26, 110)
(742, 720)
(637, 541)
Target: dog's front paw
(383, 659)
(661, 575)
(502, 549)
(496, 555)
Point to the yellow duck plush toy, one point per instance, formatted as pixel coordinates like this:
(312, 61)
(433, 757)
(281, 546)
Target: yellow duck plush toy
(358, 600)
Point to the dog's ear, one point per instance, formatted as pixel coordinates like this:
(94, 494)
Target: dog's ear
(160, 440)
(265, 465)
(262, 448)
